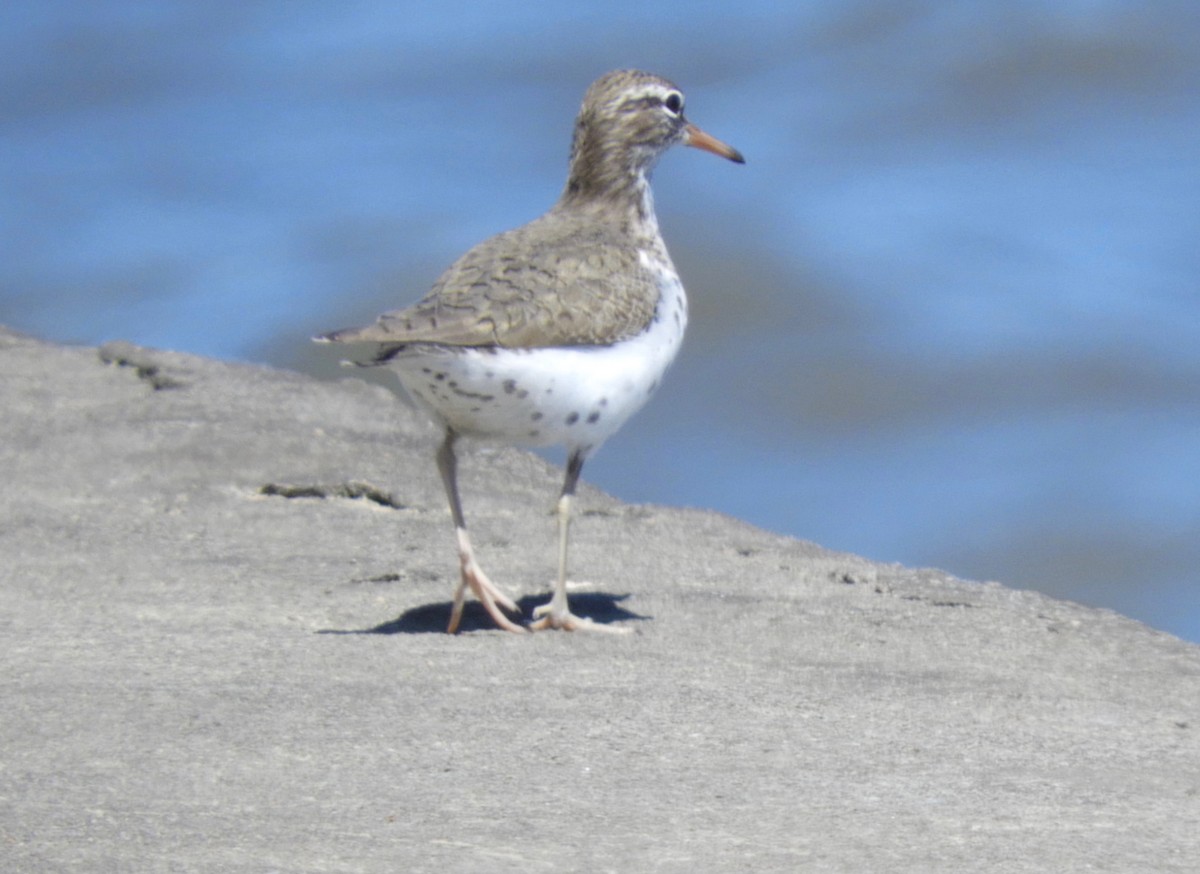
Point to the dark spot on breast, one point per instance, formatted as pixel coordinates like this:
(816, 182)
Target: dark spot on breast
(536, 417)
(439, 376)
(572, 419)
(534, 433)
(593, 417)
(510, 386)
(522, 394)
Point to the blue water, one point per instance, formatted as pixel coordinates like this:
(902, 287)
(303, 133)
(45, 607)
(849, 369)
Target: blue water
(948, 313)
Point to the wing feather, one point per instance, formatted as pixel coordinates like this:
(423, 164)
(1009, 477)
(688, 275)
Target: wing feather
(553, 282)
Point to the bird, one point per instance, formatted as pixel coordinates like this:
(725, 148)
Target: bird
(555, 332)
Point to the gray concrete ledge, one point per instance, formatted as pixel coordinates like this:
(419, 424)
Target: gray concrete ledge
(223, 588)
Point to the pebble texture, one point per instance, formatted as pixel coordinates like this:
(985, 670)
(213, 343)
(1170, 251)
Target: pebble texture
(223, 591)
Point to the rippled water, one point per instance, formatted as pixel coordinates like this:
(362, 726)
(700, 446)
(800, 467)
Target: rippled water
(947, 314)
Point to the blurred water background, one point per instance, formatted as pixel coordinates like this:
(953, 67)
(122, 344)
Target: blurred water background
(948, 313)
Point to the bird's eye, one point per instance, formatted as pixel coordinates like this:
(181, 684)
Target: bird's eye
(674, 103)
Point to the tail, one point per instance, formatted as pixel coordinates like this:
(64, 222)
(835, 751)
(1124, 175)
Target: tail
(383, 355)
(334, 336)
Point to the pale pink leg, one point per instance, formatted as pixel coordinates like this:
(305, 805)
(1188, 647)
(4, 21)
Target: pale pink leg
(473, 577)
(557, 614)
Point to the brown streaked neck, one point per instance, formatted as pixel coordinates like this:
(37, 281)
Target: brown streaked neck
(612, 178)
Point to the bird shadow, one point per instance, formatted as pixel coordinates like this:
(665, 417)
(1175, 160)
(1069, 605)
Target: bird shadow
(601, 607)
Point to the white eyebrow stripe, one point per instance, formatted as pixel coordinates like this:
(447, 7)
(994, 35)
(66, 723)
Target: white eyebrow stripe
(651, 91)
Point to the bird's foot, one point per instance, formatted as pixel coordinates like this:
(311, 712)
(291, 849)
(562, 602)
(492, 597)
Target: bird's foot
(487, 592)
(559, 617)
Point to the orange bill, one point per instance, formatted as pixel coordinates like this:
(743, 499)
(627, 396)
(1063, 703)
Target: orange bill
(698, 139)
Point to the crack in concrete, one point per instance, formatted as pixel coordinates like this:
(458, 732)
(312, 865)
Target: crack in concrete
(349, 490)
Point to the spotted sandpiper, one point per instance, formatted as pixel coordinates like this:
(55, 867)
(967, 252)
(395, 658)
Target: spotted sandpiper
(560, 330)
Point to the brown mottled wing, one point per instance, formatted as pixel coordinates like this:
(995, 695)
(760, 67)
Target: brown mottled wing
(553, 282)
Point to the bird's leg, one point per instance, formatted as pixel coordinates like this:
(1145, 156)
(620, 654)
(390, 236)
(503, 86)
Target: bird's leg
(472, 577)
(557, 613)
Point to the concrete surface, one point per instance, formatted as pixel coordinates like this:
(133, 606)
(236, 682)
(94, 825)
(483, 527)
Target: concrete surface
(223, 590)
